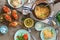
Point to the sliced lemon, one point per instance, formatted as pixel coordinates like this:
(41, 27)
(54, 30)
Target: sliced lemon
(28, 22)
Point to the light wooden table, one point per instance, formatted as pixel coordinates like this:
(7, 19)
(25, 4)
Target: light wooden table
(10, 34)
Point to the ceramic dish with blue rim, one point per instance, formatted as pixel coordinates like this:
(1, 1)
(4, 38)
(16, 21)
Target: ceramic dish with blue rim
(48, 33)
(40, 26)
(17, 3)
(22, 35)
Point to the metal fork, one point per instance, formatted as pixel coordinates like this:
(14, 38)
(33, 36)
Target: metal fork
(56, 28)
(29, 30)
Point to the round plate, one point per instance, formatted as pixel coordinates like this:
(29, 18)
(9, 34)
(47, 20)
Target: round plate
(54, 33)
(22, 31)
(23, 2)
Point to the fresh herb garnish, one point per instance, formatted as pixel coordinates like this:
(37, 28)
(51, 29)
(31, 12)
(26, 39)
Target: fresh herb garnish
(20, 37)
(58, 17)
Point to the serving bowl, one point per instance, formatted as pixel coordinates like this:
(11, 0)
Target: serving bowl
(33, 15)
(21, 3)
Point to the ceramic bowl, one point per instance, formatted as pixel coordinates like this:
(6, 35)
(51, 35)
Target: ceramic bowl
(21, 31)
(20, 5)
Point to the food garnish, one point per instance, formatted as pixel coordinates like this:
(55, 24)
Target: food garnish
(58, 17)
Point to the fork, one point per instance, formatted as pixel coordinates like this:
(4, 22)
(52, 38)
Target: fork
(29, 30)
(56, 28)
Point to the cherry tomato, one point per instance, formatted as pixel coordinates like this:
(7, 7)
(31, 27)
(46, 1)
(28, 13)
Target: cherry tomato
(25, 36)
(14, 14)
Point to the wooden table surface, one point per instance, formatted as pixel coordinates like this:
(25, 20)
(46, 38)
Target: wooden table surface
(10, 34)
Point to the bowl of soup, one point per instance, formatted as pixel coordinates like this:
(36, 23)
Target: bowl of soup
(41, 11)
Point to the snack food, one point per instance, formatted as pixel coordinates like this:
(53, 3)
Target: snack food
(14, 14)
(7, 17)
(13, 24)
(6, 9)
(15, 3)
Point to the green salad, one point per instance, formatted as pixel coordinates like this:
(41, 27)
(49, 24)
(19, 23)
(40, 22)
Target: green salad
(23, 37)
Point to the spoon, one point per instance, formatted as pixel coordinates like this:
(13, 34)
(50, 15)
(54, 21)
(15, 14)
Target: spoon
(50, 2)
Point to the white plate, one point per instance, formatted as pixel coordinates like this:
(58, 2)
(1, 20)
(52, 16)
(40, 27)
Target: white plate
(23, 2)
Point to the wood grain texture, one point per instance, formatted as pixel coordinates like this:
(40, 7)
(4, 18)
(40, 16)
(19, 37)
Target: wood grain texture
(10, 34)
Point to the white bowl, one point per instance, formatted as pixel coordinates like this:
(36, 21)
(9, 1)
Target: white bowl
(20, 5)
